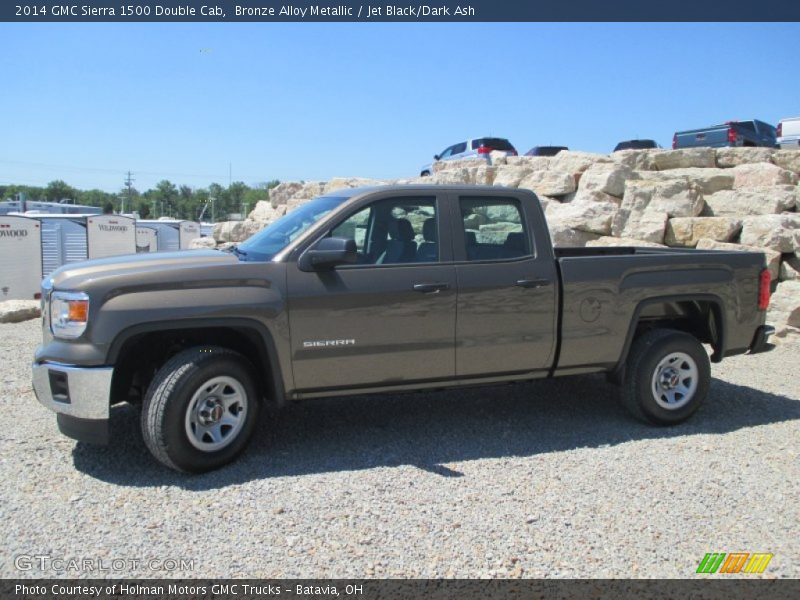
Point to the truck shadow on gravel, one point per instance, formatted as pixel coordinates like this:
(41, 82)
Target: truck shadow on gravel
(429, 430)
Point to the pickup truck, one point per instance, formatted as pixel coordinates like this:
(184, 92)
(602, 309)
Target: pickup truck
(732, 133)
(383, 289)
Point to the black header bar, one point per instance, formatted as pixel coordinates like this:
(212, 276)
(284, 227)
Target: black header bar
(267, 11)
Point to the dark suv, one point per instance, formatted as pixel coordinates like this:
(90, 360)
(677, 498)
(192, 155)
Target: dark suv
(636, 145)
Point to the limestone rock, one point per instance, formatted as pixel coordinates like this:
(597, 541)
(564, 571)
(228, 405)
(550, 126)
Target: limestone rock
(608, 178)
(535, 163)
(784, 307)
(510, 176)
(637, 160)
(497, 158)
(647, 205)
(754, 201)
(787, 159)
(708, 180)
(16, 311)
(576, 163)
(202, 243)
(687, 231)
(549, 183)
(684, 158)
(265, 212)
(563, 235)
(773, 258)
(236, 231)
(588, 216)
(771, 231)
(338, 183)
(609, 241)
(281, 193)
(463, 163)
(756, 175)
(790, 269)
(732, 157)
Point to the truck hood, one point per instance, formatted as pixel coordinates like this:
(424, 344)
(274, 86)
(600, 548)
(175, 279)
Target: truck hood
(141, 268)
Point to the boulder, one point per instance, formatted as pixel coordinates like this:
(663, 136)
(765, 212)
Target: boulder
(647, 205)
(609, 241)
(588, 216)
(733, 157)
(637, 160)
(16, 311)
(757, 175)
(687, 231)
(708, 180)
(784, 308)
(536, 163)
(787, 159)
(576, 163)
(338, 183)
(281, 193)
(771, 231)
(549, 183)
(510, 176)
(684, 158)
(773, 258)
(236, 231)
(202, 243)
(608, 178)
(265, 212)
(755, 201)
(464, 163)
(497, 158)
(563, 235)
(790, 269)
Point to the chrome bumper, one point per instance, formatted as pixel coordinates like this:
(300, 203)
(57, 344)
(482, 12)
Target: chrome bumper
(79, 392)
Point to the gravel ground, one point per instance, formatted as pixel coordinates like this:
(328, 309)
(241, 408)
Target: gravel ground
(550, 479)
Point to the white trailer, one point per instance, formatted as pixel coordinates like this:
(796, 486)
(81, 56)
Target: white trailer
(174, 235)
(63, 240)
(110, 235)
(20, 258)
(146, 239)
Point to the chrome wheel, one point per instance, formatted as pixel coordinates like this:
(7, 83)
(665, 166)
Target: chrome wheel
(674, 381)
(216, 413)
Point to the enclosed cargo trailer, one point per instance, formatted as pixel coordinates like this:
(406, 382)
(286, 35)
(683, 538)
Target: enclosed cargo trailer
(20, 258)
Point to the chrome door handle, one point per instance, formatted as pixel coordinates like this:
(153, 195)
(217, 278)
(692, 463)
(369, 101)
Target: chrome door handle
(431, 288)
(533, 283)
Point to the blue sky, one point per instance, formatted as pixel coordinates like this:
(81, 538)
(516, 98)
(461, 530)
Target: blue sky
(86, 102)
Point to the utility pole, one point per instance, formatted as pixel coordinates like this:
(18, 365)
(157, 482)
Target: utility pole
(213, 212)
(128, 191)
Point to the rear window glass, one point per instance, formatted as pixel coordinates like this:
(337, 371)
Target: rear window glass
(746, 125)
(493, 143)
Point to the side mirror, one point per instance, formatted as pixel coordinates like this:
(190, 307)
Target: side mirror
(328, 253)
(436, 157)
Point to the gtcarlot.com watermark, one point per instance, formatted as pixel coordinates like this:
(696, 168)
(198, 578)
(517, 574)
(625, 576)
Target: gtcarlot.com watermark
(60, 564)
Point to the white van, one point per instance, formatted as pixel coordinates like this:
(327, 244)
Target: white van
(789, 133)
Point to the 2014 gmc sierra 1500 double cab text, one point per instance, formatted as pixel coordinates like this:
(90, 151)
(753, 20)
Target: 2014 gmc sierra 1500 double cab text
(381, 290)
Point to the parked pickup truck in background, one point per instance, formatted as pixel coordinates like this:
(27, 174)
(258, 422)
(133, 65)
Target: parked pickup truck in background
(789, 133)
(383, 289)
(732, 133)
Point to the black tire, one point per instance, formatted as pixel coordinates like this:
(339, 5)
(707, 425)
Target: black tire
(425, 174)
(661, 384)
(186, 376)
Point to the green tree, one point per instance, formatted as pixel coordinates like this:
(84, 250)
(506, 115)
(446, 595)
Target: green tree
(59, 190)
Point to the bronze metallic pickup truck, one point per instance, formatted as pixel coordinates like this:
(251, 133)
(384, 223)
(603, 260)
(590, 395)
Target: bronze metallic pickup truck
(381, 290)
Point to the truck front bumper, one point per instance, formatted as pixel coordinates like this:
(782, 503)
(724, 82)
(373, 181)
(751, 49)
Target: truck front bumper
(80, 396)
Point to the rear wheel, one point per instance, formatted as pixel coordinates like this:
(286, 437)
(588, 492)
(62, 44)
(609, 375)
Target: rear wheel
(425, 174)
(200, 409)
(667, 377)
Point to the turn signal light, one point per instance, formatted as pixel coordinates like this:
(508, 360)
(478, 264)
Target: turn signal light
(764, 281)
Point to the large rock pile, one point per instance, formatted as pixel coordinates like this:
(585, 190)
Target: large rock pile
(727, 198)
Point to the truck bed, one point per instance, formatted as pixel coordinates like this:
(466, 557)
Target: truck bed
(605, 290)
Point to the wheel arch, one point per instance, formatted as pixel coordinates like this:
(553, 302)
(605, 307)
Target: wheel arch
(701, 315)
(137, 352)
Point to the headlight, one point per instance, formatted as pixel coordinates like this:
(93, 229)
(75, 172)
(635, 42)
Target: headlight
(69, 313)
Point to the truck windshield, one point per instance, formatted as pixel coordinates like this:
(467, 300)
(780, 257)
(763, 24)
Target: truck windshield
(275, 237)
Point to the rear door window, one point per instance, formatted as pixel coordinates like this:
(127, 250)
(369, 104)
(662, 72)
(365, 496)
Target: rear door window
(494, 229)
(459, 148)
(493, 143)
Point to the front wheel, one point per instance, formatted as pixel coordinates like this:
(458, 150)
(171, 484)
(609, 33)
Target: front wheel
(200, 409)
(667, 377)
